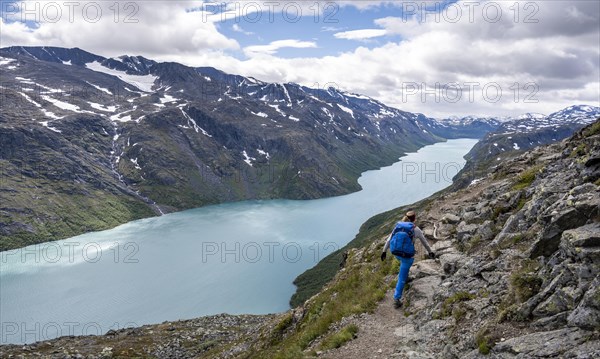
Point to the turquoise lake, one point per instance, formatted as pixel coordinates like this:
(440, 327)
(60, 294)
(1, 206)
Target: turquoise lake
(232, 258)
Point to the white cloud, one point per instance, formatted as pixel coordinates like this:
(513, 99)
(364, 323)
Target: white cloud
(150, 28)
(273, 47)
(238, 28)
(558, 54)
(361, 34)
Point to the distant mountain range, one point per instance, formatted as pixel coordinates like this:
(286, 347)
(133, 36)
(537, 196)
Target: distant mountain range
(89, 142)
(515, 136)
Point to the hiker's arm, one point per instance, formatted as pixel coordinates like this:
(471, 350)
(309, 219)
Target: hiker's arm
(419, 234)
(386, 246)
(387, 243)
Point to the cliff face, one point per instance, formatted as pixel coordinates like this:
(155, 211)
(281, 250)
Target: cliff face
(517, 276)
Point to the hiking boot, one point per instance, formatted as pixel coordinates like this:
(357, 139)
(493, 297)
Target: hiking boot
(397, 303)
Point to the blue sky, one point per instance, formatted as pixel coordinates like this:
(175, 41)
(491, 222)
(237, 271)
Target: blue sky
(550, 49)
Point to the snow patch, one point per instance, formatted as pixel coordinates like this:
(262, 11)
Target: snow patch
(45, 124)
(100, 107)
(168, 98)
(276, 107)
(516, 146)
(475, 181)
(296, 119)
(30, 100)
(260, 114)
(287, 95)
(144, 83)
(248, 159)
(346, 109)
(266, 154)
(120, 118)
(24, 80)
(62, 105)
(193, 123)
(135, 163)
(5, 61)
(99, 88)
(331, 116)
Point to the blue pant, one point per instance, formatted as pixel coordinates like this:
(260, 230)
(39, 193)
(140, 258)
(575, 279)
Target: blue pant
(405, 264)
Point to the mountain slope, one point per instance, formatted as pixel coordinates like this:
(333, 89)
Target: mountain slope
(90, 142)
(515, 136)
(517, 277)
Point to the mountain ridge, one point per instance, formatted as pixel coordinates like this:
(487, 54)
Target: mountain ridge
(158, 137)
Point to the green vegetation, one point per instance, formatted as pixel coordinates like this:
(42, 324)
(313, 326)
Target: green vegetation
(579, 151)
(522, 201)
(592, 130)
(527, 177)
(280, 328)
(473, 243)
(484, 341)
(338, 339)
(525, 282)
(60, 216)
(449, 304)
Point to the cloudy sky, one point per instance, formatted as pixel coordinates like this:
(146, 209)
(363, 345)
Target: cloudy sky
(439, 58)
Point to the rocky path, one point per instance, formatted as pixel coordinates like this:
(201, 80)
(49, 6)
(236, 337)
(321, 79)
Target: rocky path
(388, 332)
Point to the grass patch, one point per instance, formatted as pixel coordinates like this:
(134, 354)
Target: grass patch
(592, 130)
(484, 342)
(473, 243)
(579, 151)
(526, 178)
(450, 302)
(279, 330)
(525, 283)
(340, 338)
(522, 201)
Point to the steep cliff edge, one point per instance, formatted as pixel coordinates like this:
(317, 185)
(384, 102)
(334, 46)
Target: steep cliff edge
(517, 277)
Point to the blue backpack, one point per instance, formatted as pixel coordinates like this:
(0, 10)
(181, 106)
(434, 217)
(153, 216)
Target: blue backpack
(402, 240)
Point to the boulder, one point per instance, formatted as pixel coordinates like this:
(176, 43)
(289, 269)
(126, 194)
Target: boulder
(450, 219)
(585, 236)
(559, 301)
(425, 268)
(486, 230)
(451, 262)
(549, 240)
(587, 313)
(551, 323)
(582, 243)
(543, 344)
(464, 230)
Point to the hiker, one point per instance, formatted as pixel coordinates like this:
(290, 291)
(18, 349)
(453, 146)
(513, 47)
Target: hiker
(401, 244)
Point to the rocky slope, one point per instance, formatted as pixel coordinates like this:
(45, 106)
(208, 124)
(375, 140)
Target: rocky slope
(515, 136)
(90, 142)
(517, 276)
